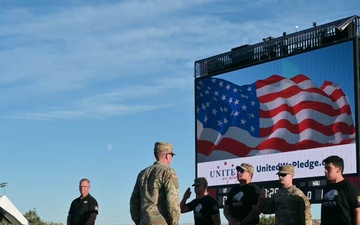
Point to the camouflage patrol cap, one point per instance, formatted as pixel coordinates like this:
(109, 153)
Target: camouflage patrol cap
(247, 167)
(199, 181)
(163, 147)
(287, 169)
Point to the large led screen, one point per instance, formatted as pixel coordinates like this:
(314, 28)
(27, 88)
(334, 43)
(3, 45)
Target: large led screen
(295, 110)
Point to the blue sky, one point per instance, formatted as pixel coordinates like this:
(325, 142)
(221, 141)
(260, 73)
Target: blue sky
(87, 87)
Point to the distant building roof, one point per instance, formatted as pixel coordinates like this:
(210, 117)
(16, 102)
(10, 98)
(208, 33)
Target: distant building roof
(10, 212)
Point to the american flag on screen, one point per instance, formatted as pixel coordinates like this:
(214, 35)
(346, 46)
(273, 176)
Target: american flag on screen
(272, 115)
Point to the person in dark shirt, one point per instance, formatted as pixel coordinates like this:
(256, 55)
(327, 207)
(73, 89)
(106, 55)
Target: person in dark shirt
(241, 205)
(205, 207)
(341, 199)
(84, 209)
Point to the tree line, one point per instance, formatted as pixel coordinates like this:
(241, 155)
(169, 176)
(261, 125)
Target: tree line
(34, 219)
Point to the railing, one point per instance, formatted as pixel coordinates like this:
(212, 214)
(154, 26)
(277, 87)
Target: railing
(279, 47)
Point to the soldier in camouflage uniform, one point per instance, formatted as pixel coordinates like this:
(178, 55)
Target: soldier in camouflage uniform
(290, 205)
(155, 198)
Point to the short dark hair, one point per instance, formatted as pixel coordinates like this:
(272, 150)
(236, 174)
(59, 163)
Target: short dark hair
(336, 160)
(84, 179)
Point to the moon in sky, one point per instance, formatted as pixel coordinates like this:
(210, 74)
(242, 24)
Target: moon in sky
(109, 146)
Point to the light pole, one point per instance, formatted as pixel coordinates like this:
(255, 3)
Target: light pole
(4, 185)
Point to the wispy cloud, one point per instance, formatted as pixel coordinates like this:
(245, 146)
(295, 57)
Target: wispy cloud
(72, 53)
(126, 99)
